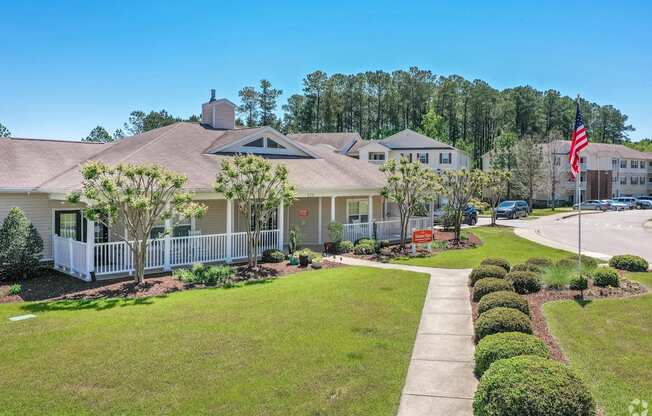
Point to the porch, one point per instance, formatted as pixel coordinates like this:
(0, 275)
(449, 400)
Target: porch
(86, 250)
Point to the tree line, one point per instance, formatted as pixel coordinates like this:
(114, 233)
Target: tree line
(470, 115)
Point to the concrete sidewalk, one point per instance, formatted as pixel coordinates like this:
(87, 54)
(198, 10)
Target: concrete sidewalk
(440, 380)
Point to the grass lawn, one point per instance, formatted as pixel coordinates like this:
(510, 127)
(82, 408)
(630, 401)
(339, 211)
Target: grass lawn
(496, 242)
(609, 343)
(330, 342)
(543, 212)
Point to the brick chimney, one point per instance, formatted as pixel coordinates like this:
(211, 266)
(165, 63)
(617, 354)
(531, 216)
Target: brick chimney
(218, 113)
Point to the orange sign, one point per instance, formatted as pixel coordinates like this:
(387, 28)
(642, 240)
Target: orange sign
(422, 236)
(303, 213)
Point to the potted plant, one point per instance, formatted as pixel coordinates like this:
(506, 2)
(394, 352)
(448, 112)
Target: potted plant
(305, 257)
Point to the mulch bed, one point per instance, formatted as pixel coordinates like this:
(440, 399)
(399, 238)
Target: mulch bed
(540, 328)
(52, 285)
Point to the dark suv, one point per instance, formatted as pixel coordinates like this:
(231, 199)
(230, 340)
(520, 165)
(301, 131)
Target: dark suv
(512, 209)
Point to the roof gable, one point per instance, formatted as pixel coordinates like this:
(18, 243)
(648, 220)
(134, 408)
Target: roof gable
(409, 139)
(232, 144)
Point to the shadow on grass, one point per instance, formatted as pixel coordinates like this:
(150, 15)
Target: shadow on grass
(96, 305)
(583, 302)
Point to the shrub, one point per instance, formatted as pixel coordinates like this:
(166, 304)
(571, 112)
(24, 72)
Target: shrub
(534, 386)
(505, 299)
(525, 267)
(316, 265)
(15, 289)
(200, 274)
(540, 261)
(502, 320)
(335, 231)
(365, 246)
(344, 246)
(606, 276)
(629, 262)
(487, 271)
(588, 263)
(20, 246)
(496, 261)
(294, 239)
(579, 282)
(273, 256)
(506, 345)
(524, 282)
(556, 277)
(485, 286)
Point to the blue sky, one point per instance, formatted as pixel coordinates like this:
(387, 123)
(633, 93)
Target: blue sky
(69, 66)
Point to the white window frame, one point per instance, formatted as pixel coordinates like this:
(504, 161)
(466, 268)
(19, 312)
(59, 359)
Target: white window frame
(446, 161)
(359, 215)
(376, 156)
(420, 160)
(633, 164)
(623, 164)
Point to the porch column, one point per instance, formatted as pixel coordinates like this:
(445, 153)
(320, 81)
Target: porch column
(370, 215)
(229, 229)
(319, 226)
(281, 225)
(167, 245)
(90, 249)
(332, 208)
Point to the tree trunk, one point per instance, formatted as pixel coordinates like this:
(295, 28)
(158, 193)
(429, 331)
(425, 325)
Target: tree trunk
(139, 261)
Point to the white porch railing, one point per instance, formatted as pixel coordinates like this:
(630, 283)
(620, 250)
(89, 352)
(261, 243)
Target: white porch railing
(115, 258)
(384, 230)
(354, 232)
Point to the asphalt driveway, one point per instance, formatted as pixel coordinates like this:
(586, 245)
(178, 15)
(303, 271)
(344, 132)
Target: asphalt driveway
(609, 233)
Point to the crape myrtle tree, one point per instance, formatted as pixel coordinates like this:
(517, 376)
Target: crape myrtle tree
(530, 173)
(20, 246)
(136, 196)
(409, 185)
(495, 186)
(460, 187)
(260, 188)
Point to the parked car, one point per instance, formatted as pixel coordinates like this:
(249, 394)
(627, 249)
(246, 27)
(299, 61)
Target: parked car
(470, 216)
(644, 202)
(615, 205)
(593, 204)
(512, 209)
(630, 201)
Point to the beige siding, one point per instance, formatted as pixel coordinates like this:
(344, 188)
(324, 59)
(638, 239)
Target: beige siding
(38, 211)
(214, 221)
(340, 207)
(308, 225)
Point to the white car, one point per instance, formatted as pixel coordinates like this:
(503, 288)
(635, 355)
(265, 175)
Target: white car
(615, 205)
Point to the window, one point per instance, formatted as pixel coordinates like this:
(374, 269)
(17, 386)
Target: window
(582, 160)
(445, 158)
(68, 224)
(422, 158)
(256, 143)
(614, 163)
(178, 230)
(614, 179)
(376, 156)
(633, 180)
(582, 176)
(270, 224)
(557, 161)
(273, 144)
(408, 156)
(642, 164)
(623, 164)
(623, 180)
(649, 179)
(633, 164)
(357, 210)
(641, 180)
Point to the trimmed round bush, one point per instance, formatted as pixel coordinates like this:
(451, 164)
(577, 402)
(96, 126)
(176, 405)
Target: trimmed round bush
(273, 256)
(485, 286)
(578, 283)
(525, 267)
(504, 299)
(571, 262)
(497, 261)
(629, 262)
(506, 345)
(344, 246)
(534, 386)
(606, 277)
(541, 262)
(524, 282)
(365, 246)
(502, 320)
(486, 271)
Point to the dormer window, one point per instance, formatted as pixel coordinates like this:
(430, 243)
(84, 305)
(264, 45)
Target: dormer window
(256, 143)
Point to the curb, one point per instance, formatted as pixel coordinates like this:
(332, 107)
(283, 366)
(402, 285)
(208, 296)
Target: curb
(575, 214)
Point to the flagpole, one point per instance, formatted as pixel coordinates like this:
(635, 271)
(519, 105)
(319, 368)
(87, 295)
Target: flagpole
(578, 179)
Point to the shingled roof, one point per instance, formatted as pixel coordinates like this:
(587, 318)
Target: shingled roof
(341, 142)
(46, 166)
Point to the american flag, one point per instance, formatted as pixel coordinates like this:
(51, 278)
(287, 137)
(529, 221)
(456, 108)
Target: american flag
(579, 141)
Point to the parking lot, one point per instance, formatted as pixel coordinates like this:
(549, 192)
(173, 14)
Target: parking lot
(610, 232)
